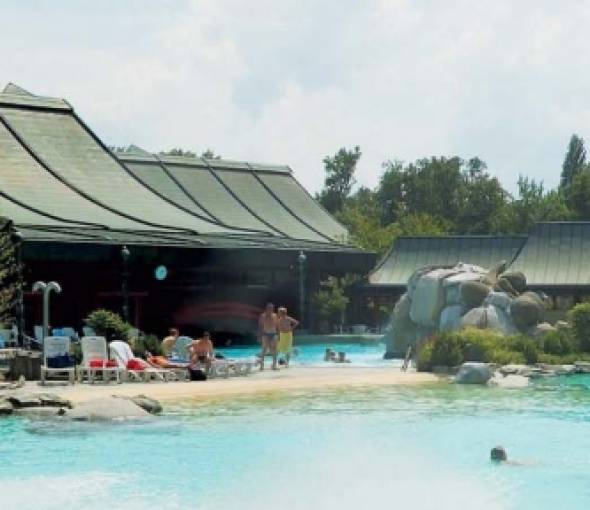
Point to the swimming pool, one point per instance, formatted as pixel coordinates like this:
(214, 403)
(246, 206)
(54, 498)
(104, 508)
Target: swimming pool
(421, 448)
(370, 354)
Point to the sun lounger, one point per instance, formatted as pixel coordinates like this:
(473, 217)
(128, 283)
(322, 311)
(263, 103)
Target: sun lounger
(94, 348)
(122, 354)
(56, 359)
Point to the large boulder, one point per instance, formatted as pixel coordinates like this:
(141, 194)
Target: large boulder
(401, 331)
(526, 311)
(504, 285)
(517, 280)
(106, 409)
(499, 300)
(473, 373)
(452, 284)
(429, 298)
(450, 318)
(473, 293)
(475, 318)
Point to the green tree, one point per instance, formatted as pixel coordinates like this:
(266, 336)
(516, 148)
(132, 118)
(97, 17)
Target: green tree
(578, 196)
(177, 151)
(209, 154)
(534, 204)
(339, 179)
(574, 162)
(483, 204)
(332, 298)
(8, 273)
(108, 324)
(430, 185)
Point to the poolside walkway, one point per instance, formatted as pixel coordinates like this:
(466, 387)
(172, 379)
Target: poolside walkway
(291, 379)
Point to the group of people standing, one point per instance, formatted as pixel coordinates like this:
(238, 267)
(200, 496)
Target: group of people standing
(275, 334)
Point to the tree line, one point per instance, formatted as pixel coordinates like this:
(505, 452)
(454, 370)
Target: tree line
(449, 195)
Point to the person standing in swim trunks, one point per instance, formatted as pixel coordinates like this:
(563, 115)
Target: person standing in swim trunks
(267, 334)
(286, 326)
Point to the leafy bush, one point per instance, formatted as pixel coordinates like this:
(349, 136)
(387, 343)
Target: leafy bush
(108, 324)
(558, 343)
(452, 348)
(149, 343)
(579, 317)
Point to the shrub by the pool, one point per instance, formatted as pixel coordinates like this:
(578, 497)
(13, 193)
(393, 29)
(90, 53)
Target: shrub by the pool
(579, 317)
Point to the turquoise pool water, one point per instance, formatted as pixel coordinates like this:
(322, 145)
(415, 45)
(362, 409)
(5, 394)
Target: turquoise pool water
(418, 448)
(313, 354)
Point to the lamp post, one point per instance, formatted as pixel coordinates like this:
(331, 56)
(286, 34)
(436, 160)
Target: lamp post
(17, 240)
(125, 255)
(46, 289)
(302, 258)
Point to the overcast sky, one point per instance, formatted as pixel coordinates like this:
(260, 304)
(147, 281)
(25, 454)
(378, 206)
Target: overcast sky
(291, 81)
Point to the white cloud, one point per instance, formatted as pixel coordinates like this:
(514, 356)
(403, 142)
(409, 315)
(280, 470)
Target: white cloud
(293, 81)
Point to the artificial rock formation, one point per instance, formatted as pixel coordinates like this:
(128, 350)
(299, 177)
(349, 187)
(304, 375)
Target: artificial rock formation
(445, 298)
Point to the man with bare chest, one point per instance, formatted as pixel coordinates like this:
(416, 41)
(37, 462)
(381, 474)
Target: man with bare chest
(268, 334)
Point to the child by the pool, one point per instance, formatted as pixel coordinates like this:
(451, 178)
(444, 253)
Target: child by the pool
(286, 326)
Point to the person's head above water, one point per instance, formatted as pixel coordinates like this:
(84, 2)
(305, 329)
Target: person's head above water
(498, 454)
(270, 308)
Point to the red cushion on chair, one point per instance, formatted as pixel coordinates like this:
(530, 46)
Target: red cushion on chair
(111, 363)
(136, 364)
(96, 363)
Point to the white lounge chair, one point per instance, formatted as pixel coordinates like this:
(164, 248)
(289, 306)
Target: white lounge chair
(122, 354)
(55, 346)
(95, 347)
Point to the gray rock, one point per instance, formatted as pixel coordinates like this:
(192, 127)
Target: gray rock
(541, 329)
(509, 381)
(474, 293)
(38, 412)
(24, 400)
(150, 405)
(20, 400)
(562, 325)
(473, 373)
(50, 400)
(526, 311)
(517, 280)
(106, 409)
(450, 318)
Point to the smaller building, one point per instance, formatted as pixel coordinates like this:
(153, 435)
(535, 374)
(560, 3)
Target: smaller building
(553, 256)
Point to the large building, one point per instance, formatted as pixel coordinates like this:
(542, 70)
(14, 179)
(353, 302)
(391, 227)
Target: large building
(553, 256)
(209, 241)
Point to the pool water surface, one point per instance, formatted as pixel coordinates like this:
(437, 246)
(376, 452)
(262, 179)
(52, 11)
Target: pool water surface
(415, 447)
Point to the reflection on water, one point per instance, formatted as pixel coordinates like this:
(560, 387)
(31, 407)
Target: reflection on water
(421, 448)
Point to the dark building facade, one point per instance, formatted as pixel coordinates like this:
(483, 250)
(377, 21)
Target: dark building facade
(208, 241)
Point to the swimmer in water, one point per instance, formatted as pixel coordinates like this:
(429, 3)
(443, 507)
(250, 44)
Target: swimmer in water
(498, 455)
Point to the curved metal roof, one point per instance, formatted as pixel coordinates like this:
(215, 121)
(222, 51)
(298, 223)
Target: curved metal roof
(57, 175)
(408, 254)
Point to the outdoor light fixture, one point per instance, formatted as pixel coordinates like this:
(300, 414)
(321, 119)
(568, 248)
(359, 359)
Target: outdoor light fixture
(125, 256)
(46, 289)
